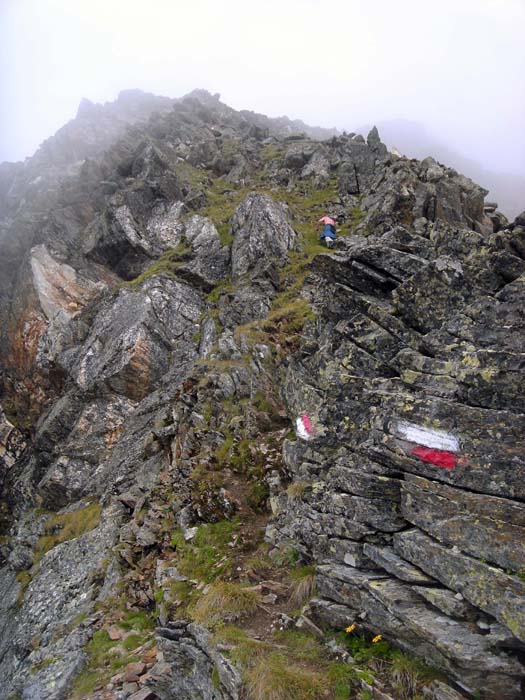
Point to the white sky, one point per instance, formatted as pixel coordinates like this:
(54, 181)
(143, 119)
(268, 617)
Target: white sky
(457, 66)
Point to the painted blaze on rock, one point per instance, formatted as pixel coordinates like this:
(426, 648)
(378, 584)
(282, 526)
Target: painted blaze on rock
(434, 446)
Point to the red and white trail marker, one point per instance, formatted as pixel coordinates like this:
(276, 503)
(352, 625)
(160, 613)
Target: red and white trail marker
(304, 427)
(433, 446)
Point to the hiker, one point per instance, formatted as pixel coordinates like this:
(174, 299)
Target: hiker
(328, 233)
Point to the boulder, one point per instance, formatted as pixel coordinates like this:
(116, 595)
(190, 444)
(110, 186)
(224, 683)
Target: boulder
(262, 233)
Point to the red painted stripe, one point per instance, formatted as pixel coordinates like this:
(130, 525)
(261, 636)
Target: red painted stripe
(445, 460)
(307, 423)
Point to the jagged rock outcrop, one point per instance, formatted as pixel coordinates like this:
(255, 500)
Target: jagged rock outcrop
(167, 317)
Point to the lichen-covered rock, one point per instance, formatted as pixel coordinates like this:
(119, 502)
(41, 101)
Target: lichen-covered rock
(11, 444)
(447, 513)
(486, 587)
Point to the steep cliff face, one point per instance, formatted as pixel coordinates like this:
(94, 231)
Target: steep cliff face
(186, 368)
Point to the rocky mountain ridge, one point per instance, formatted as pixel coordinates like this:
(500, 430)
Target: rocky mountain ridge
(179, 355)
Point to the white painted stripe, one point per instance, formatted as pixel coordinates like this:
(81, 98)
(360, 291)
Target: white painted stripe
(437, 439)
(301, 429)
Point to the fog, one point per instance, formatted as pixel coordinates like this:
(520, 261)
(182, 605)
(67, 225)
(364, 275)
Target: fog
(456, 67)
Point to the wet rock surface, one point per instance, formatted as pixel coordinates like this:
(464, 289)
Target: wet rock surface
(168, 317)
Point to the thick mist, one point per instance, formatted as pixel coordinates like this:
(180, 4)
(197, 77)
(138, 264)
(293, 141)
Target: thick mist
(454, 69)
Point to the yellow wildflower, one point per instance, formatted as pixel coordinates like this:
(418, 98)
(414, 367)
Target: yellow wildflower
(377, 638)
(350, 629)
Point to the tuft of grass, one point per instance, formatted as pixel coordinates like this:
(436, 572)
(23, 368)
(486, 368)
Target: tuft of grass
(296, 490)
(271, 152)
(275, 678)
(291, 666)
(222, 202)
(224, 287)
(407, 674)
(302, 586)
(224, 602)
(49, 661)
(223, 453)
(98, 648)
(87, 682)
(225, 234)
(24, 578)
(246, 650)
(132, 641)
(260, 560)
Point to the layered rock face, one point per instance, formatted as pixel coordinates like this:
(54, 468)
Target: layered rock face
(412, 477)
(168, 314)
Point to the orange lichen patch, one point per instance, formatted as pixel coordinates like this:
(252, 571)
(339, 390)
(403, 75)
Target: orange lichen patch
(61, 291)
(25, 336)
(136, 377)
(112, 436)
(26, 388)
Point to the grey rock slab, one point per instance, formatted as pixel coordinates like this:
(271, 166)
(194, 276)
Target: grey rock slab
(62, 588)
(440, 691)
(386, 558)
(209, 261)
(486, 587)
(491, 446)
(359, 483)
(452, 604)
(485, 526)
(62, 291)
(378, 513)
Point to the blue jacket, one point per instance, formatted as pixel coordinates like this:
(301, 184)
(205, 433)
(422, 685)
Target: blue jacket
(328, 232)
